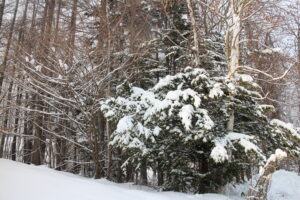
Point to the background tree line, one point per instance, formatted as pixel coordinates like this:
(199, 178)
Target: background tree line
(59, 59)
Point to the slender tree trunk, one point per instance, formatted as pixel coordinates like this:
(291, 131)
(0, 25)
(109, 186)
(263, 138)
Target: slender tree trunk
(72, 33)
(22, 29)
(235, 37)
(236, 9)
(298, 60)
(44, 20)
(9, 40)
(2, 145)
(2, 6)
(119, 168)
(34, 12)
(30, 116)
(101, 128)
(16, 125)
(18, 90)
(36, 147)
(298, 46)
(298, 52)
(109, 153)
(58, 12)
(13, 148)
(6, 120)
(28, 129)
(144, 177)
(129, 173)
(105, 7)
(96, 147)
(196, 40)
(160, 175)
(48, 24)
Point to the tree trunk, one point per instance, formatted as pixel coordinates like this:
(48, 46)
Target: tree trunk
(236, 8)
(13, 148)
(105, 7)
(2, 6)
(70, 49)
(28, 135)
(6, 120)
(129, 173)
(144, 177)
(38, 123)
(9, 40)
(160, 175)
(2, 145)
(260, 191)
(196, 40)
(16, 126)
(58, 12)
(48, 24)
(96, 132)
(21, 30)
(119, 164)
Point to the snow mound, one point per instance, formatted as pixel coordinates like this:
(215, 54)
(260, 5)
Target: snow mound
(285, 186)
(19, 181)
(27, 182)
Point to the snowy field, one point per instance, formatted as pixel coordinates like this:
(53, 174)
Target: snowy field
(26, 182)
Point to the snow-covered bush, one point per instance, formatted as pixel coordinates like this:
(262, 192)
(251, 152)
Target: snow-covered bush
(180, 127)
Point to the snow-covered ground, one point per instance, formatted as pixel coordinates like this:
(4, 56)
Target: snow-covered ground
(27, 182)
(285, 186)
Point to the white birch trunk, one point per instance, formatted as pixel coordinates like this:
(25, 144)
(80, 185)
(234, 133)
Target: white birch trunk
(235, 37)
(196, 41)
(235, 29)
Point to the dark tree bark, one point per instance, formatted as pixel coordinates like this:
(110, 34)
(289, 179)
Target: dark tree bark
(13, 148)
(144, 178)
(9, 40)
(160, 176)
(6, 120)
(129, 173)
(2, 6)
(36, 147)
(97, 135)
(58, 13)
(72, 33)
(49, 20)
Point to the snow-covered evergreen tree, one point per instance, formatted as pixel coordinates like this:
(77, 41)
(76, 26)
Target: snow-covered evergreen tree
(171, 48)
(180, 127)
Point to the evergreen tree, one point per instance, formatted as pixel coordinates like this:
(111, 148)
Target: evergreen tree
(171, 48)
(179, 126)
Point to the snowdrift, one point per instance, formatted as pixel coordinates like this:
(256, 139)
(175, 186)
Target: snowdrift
(285, 186)
(27, 182)
(19, 181)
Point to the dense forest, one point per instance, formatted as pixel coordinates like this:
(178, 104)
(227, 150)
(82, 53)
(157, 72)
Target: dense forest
(181, 95)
